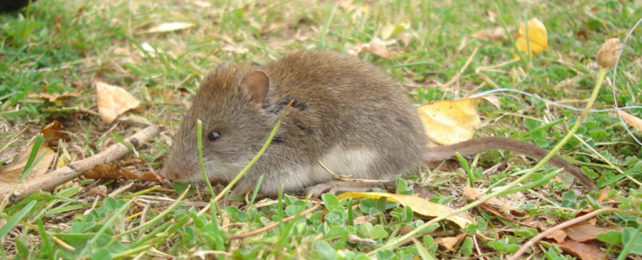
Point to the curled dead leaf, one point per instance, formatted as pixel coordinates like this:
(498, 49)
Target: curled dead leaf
(10, 174)
(449, 243)
(53, 133)
(105, 171)
(631, 120)
(494, 34)
(112, 101)
(376, 46)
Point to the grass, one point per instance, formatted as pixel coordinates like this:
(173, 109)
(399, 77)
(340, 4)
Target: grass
(60, 47)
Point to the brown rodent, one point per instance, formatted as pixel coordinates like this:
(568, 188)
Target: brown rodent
(346, 113)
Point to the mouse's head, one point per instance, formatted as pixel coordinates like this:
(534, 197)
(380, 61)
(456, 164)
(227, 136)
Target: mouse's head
(229, 104)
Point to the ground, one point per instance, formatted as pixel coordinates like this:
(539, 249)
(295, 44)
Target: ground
(438, 50)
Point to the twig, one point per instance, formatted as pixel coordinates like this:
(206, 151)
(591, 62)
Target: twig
(273, 225)
(566, 224)
(70, 171)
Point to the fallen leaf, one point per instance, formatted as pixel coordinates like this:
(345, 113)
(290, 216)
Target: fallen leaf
(491, 16)
(149, 49)
(363, 219)
(418, 205)
(495, 205)
(376, 46)
(604, 193)
(113, 101)
(450, 121)
(537, 37)
(100, 190)
(10, 174)
(449, 243)
(391, 30)
(558, 235)
(493, 100)
(54, 97)
(494, 34)
(584, 251)
(170, 27)
(583, 232)
(53, 133)
(632, 120)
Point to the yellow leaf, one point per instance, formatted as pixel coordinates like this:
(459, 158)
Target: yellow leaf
(392, 30)
(113, 101)
(417, 204)
(450, 121)
(537, 37)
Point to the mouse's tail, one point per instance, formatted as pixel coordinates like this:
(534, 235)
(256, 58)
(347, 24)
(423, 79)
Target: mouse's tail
(473, 146)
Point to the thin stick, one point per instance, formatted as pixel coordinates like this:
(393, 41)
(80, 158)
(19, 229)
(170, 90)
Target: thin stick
(60, 176)
(565, 224)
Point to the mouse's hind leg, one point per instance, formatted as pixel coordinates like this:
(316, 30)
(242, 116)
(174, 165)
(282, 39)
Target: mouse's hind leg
(337, 186)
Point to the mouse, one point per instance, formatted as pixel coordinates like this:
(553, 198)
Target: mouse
(343, 111)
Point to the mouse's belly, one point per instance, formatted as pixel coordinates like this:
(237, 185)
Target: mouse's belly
(354, 163)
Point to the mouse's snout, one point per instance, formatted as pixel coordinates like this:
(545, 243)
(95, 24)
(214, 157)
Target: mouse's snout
(178, 170)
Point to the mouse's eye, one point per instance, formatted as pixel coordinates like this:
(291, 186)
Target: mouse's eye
(213, 136)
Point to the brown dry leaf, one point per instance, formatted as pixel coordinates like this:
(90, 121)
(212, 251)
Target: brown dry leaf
(494, 205)
(604, 193)
(380, 48)
(54, 97)
(10, 174)
(493, 100)
(363, 219)
(584, 251)
(54, 132)
(450, 121)
(583, 232)
(170, 27)
(449, 243)
(105, 171)
(102, 171)
(491, 16)
(494, 34)
(376, 46)
(113, 101)
(632, 120)
(100, 190)
(418, 205)
(558, 235)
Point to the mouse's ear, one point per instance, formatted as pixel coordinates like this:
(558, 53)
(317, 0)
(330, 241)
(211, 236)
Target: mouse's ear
(257, 84)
